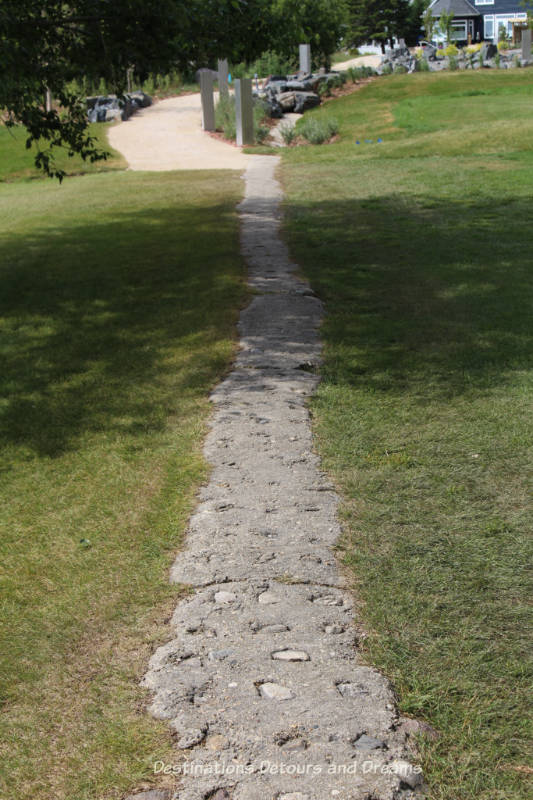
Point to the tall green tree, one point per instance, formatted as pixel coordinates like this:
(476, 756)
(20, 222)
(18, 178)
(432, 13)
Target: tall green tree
(320, 23)
(428, 21)
(445, 24)
(417, 9)
(45, 45)
(375, 20)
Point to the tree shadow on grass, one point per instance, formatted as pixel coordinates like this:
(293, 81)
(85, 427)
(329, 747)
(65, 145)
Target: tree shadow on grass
(420, 293)
(105, 324)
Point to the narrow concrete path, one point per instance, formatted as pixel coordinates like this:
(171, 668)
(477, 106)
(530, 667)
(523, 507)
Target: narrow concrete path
(169, 135)
(261, 682)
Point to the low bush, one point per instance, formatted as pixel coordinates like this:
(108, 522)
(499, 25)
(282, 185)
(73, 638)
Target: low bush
(225, 116)
(452, 63)
(451, 50)
(287, 132)
(317, 131)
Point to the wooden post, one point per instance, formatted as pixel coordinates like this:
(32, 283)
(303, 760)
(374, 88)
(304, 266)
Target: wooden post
(208, 103)
(305, 59)
(244, 111)
(223, 71)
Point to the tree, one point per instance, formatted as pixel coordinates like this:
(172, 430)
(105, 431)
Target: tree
(445, 24)
(375, 20)
(415, 15)
(45, 45)
(428, 21)
(320, 23)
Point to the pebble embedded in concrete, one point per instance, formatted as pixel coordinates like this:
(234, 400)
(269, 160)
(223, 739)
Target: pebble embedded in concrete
(274, 691)
(290, 655)
(225, 597)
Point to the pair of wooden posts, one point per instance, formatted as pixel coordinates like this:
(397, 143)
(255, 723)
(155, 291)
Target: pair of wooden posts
(243, 97)
(243, 102)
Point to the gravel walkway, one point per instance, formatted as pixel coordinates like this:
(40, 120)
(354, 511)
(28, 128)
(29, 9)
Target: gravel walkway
(261, 682)
(360, 61)
(169, 135)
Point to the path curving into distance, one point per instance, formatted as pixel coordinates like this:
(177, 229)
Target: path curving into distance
(261, 682)
(169, 135)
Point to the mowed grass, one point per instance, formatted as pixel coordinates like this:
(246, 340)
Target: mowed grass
(118, 302)
(18, 163)
(421, 247)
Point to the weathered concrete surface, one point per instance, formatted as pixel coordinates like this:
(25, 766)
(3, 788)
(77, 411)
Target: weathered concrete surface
(262, 675)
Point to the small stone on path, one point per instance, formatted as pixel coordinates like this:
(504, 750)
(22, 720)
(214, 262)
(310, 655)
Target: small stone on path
(290, 655)
(273, 691)
(267, 598)
(225, 597)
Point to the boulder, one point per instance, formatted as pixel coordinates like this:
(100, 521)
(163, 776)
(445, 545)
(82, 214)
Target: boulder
(298, 101)
(488, 50)
(306, 100)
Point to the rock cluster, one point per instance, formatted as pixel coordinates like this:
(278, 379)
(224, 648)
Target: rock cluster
(293, 93)
(106, 108)
(400, 59)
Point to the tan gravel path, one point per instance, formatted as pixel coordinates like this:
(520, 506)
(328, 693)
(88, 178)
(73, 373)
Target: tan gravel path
(360, 61)
(169, 135)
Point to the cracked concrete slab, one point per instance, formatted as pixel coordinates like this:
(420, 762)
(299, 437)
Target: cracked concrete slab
(262, 682)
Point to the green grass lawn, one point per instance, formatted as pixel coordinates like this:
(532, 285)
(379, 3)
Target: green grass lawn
(17, 163)
(421, 247)
(119, 294)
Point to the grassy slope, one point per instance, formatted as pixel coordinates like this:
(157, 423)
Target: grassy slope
(119, 295)
(17, 163)
(421, 247)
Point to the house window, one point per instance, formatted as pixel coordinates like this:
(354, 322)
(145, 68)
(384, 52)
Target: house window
(458, 30)
(484, 2)
(488, 32)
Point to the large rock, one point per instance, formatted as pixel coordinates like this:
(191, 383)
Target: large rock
(298, 101)
(488, 50)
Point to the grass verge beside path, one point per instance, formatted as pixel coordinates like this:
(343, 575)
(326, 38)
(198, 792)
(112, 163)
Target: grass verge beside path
(17, 163)
(118, 302)
(421, 248)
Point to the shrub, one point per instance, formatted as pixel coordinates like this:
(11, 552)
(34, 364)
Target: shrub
(422, 65)
(288, 132)
(356, 73)
(400, 69)
(268, 63)
(452, 62)
(497, 60)
(451, 50)
(503, 36)
(386, 70)
(261, 133)
(225, 116)
(318, 131)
